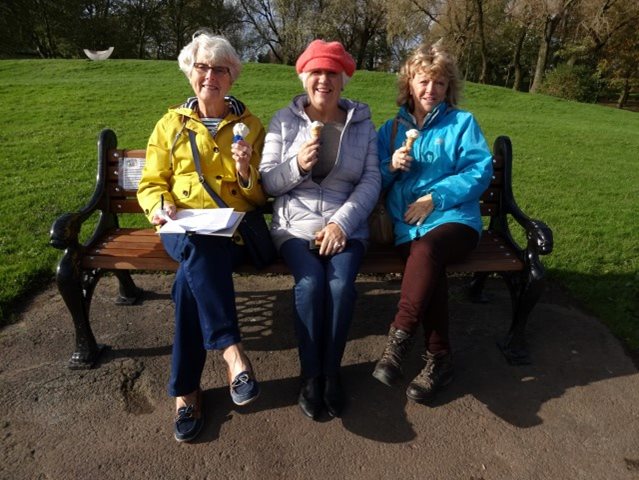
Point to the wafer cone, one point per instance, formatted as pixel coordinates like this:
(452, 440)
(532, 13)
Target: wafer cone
(411, 136)
(316, 129)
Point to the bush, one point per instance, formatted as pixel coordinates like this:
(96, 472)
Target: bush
(572, 83)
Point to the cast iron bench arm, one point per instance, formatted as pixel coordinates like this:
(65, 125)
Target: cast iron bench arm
(538, 235)
(66, 228)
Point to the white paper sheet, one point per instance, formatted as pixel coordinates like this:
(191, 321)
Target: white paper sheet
(207, 221)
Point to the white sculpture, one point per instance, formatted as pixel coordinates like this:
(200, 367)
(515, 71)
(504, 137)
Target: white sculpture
(98, 54)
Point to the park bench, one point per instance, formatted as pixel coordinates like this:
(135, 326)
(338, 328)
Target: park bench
(122, 251)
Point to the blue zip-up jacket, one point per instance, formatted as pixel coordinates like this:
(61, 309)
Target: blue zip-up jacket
(451, 161)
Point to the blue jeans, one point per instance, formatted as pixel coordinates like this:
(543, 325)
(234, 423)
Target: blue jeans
(325, 296)
(204, 297)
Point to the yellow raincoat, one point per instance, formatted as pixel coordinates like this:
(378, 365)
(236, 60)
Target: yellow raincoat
(175, 176)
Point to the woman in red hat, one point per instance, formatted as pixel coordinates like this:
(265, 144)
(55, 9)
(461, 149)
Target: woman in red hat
(320, 162)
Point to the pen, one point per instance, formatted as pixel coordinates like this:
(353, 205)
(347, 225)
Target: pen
(161, 212)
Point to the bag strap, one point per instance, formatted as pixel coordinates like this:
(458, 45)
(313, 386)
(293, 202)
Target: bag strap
(394, 133)
(196, 158)
(382, 196)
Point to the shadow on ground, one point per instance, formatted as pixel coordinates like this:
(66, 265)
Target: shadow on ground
(563, 351)
(568, 415)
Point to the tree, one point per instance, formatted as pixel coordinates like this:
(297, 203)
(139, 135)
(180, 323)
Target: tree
(178, 14)
(141, 18)
(15, 29)
(620, 62)
(550, 13)
(521, 17)
(408, 23)
(601, 20)
(280, 25)
(482, 40)
(40, 27)
(360, 25)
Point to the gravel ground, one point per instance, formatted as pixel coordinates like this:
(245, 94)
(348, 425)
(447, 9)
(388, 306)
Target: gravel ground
(572, 414)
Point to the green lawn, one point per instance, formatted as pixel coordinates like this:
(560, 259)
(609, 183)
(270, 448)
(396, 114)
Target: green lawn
(576, 165)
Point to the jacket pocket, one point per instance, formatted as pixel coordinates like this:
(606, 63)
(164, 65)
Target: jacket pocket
(182, 188)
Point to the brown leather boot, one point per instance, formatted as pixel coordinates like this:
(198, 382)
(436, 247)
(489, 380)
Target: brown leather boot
(437, 373)
(389, 368)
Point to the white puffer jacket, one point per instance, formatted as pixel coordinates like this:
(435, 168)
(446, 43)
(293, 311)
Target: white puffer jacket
(348, 193)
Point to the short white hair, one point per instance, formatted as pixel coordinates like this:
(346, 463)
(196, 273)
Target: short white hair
(212, 49)
(304, 76)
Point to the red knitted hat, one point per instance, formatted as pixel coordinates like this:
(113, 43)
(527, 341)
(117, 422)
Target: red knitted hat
(321, 55)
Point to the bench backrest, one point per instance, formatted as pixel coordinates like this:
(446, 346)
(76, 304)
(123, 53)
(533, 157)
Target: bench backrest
(124, 167)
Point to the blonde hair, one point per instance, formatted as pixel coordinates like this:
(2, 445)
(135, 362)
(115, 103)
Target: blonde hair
(432, 60)
(213, 49)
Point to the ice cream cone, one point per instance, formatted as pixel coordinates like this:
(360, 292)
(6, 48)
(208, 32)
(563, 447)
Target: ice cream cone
(316, 129)
(411, 136)
(240, 132)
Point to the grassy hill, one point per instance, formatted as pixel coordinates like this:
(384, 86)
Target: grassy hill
(576, 165)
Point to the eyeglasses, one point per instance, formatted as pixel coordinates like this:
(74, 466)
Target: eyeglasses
(204, 69)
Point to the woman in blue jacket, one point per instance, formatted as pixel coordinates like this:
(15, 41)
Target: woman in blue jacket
(433, 192)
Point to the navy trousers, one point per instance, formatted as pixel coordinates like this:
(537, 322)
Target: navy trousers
(204, 297)
(324, 302)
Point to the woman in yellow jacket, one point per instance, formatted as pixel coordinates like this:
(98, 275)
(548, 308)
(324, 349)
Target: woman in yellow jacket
(203, 292)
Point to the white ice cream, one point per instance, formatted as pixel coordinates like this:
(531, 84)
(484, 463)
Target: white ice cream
(240, 130)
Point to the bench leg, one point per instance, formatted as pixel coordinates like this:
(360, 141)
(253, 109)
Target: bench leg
(129, 293)
(525, 290)
(476, 288)
(77, 292)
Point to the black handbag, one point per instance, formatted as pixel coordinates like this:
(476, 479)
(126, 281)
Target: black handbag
(253, 227)
(257, 239)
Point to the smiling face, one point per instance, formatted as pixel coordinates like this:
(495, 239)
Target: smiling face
(324, 88)
(427, 91)
(211, 83)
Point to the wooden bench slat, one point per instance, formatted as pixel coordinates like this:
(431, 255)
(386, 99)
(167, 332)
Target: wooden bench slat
(135, 250)
(115, 154)
(125, 206)
(488, 209)
(129, 248)
(121, 245)
(129, 263)
(380, 266)
(116, 191)
(125, 234)
(491, 195)
(485, 265)
(131, 205)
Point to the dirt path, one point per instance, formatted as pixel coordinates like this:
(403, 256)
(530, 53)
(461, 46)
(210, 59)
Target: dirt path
(573, 414)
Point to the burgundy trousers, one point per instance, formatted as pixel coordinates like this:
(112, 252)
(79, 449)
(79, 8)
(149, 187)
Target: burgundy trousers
(424, 292)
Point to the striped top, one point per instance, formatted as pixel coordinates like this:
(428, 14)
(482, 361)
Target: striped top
(211, 123)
